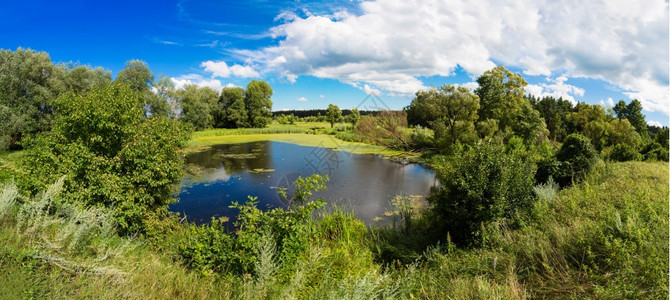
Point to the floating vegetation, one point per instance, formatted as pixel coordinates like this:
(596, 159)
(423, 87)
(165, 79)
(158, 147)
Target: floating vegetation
(239, 155)
(261, 170)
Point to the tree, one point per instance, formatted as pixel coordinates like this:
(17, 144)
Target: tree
(258, 103)
(80, 79)
(109, 153)
(620, 110)
(554, 112)
(454, 111)
(26, 91)
(161, 101)
(197, 104)
(353, 117)
(585, 113)
(137, 75)
(232, 100)
(333, 114)
(501, 95)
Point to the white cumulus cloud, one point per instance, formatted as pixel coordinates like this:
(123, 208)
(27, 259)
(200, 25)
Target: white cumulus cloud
(302, 99)
(556, 88)
(221, 69)
(198, 80)
(655, 123)
(392, 44)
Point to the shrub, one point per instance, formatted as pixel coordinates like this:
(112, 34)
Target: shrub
(208, 248)
(624, 152)
(480, 186)
(577, 157)
(109, 153)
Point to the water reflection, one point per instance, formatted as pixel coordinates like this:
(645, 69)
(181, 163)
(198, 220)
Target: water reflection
(226, 173)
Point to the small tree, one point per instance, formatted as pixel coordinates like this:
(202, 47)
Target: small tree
(354, 116)
(333, 114)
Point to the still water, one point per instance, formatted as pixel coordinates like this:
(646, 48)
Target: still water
(363, 183)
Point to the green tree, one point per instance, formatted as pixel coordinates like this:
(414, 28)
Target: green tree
(258, 102)
(554, 112)
(635, 117)
(26, 91)
(197, 104)
(137, 75)
(501, 98)
(501, 95)
(333, 114)
(110, 154)
(160, 102)
(353, 117)
(455, 110)
(79, 79)
(234, 111)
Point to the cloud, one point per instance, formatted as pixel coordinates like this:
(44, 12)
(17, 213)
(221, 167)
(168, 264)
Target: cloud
(302, 99)
(390, 44)
(655, 123)
(371, 91)
(322, 96)
(556, 88)
(198, 80)
(609, 102)
(221, 69)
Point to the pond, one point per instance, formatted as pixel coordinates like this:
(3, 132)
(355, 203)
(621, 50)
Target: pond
(363, 183)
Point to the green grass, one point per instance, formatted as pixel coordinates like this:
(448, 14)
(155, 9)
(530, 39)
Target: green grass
(9, 167)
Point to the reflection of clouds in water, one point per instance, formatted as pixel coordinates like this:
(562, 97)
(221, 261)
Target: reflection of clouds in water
(219, 174)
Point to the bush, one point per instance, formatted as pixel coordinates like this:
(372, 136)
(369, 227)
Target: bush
(208, 248)
(481, 186)
(577, 157)
(624, 152)
(109, 153)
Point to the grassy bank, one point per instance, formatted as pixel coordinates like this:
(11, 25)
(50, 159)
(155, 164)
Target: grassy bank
(606, 237)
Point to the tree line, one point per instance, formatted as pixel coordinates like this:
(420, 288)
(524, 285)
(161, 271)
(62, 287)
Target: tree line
(30, 83)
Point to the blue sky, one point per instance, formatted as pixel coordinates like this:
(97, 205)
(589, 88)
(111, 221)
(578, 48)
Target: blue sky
(318, 52)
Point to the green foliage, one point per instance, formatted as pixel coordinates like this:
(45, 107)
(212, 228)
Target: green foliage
(481, 186)
(231, 111)
(353, 117)
(27, 87)
(654, 152)
(333, 114)
(554, 112)
(451, 114)
(386, 129)
(110, 154)
(577, 157)
(632, 112)
(209, 248)
(161, 103)
(500, 95)
(258, 103)
(624, 152)
(136, 74)
(197, 105)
